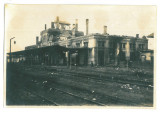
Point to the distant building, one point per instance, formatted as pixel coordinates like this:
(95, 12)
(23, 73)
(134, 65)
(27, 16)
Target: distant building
(80, 49)
(148, 55)
(151, 43)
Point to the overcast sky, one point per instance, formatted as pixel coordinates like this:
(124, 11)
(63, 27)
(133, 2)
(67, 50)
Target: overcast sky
(25, 22)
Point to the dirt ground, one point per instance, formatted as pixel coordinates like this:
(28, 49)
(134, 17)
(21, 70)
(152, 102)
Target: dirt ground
(143, 96)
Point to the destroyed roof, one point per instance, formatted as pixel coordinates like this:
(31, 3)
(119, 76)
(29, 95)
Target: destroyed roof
(63, 22)
(150, 35)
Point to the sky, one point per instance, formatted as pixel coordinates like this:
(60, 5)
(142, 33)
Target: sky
(25, 22)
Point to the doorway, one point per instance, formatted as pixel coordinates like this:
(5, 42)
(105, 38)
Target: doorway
(100, 58)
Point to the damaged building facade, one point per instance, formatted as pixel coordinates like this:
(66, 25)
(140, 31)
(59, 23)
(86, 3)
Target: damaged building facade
(68, 46)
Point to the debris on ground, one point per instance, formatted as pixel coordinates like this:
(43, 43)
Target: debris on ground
(127, 86)
(35, 81)
(145, 79)
(117, 68)
(44, 82)
(150, 85)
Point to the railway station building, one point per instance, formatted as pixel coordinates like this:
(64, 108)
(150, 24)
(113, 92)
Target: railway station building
(62, 45)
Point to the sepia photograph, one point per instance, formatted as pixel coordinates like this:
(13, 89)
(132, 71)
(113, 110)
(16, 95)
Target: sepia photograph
(80, 55)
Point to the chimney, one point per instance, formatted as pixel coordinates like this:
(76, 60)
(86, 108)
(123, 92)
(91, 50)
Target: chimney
(137, 35)
(57, 22)
(105, 30)
(37, 39)
(52, 24)
(73, 30)
(87, 22)
(57, 19)
(45, 26)
(73, 26)
(76, 24)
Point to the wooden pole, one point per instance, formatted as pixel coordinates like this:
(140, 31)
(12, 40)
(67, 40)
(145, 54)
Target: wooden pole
(70, 60)
(10, 48)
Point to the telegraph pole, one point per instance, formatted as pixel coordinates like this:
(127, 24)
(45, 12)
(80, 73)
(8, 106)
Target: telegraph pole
(70, 60)
(10, 49)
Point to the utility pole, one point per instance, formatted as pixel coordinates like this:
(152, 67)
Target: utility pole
(70, 60)
(10, 48)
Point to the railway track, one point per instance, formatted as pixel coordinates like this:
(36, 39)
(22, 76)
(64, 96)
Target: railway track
(21, 89)
(103, 80)
(100, 99)
(64, 94)
(64, 87)
(50, 102)
(49, 98)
